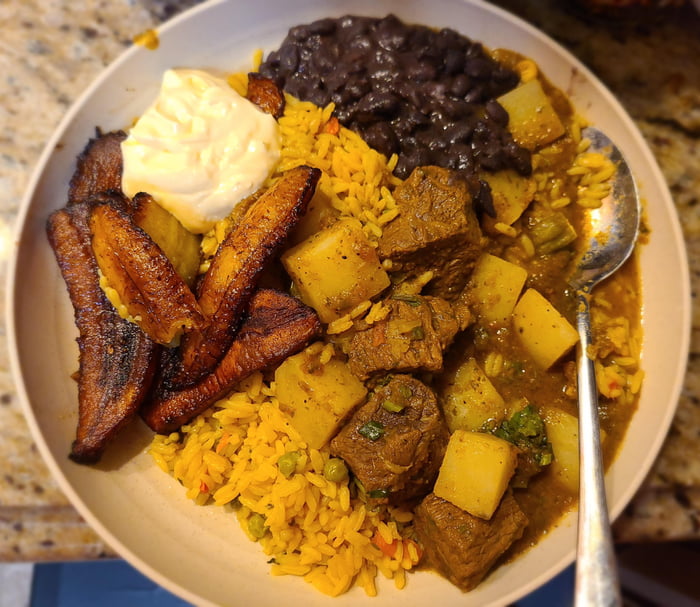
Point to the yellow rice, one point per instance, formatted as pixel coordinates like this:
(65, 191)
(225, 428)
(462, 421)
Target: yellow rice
(313, 527)
(356, 179)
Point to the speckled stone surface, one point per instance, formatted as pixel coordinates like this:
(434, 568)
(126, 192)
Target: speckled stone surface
(50, 50)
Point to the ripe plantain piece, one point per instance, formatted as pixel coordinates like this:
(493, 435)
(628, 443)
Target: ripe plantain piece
(264, 93)
(179, 244)
(276, 326)
(117, 360)
(226, 288)
(148, 285)
(98, 167)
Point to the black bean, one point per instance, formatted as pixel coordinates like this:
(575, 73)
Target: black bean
(460, 132)
(298, 33)
(521, 158)
(454, 61)
(463, 155)
(390, 35)
(419, 40)
(271, 65)
(299, 82)
(305, 55)
(495, 111)
(403, 167)
(491, 160)
(455, 109)
(476, 94)
(482, 132)
(451, 37)
(323, 64)
(459, 86)
(382, 78)
(414, 117)
(356, 88)
(323, 27)
(381, 137)
(345, 114)
(334, 81)
(410, 158)
(483, 200)
(505, 77)
(427, 95)
(376, 102)
(353, 26)
(424, 137)
(289, 58)
(434, 89)
(360, 43)
(439, 157)
(477, 67)
(402, 127)
(339, 98)
(317, 96)
(475, 50)
(421, 71)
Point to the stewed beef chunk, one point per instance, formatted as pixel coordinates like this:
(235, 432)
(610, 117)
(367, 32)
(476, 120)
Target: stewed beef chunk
(410, 339)
(464, 547)
(437, 229)
(394, 444)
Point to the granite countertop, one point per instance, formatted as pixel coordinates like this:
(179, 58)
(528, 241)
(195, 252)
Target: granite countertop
(50, 51)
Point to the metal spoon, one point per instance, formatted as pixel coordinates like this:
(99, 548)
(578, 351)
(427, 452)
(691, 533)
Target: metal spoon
(611, 234)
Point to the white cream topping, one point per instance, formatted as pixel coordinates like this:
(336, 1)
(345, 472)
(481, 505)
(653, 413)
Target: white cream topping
(199, 149)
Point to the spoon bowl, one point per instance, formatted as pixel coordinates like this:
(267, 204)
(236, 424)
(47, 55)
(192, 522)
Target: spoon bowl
(611, 232)
(611, 229)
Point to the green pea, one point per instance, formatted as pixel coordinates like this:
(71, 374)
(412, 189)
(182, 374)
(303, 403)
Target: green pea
(335, 470)
(256, 525)
(287, 463)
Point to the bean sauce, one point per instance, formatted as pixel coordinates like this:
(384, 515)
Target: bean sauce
(427, 95)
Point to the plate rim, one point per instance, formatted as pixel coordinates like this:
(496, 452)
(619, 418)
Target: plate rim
(104, 75)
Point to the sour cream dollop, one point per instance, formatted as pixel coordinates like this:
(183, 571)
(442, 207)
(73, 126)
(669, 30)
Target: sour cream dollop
(199, 149)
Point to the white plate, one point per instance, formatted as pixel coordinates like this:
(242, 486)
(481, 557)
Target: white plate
(199, 553)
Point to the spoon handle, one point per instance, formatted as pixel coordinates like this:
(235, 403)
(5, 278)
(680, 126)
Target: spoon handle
(596, 570)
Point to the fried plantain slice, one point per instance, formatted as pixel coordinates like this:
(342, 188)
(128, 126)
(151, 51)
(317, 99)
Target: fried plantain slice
(233, 274)
(117, 360)
(276, 326)
(154, 294)
(264, 93)
(98, 167)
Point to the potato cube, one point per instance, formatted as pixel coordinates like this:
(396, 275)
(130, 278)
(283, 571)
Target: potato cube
(562, 433)
(543, 331)
(475, 472)
(319, 215)
(512, 194)
(336, 269)
(533, 121)
(494, 287)
(318, 396)
(470, 400)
